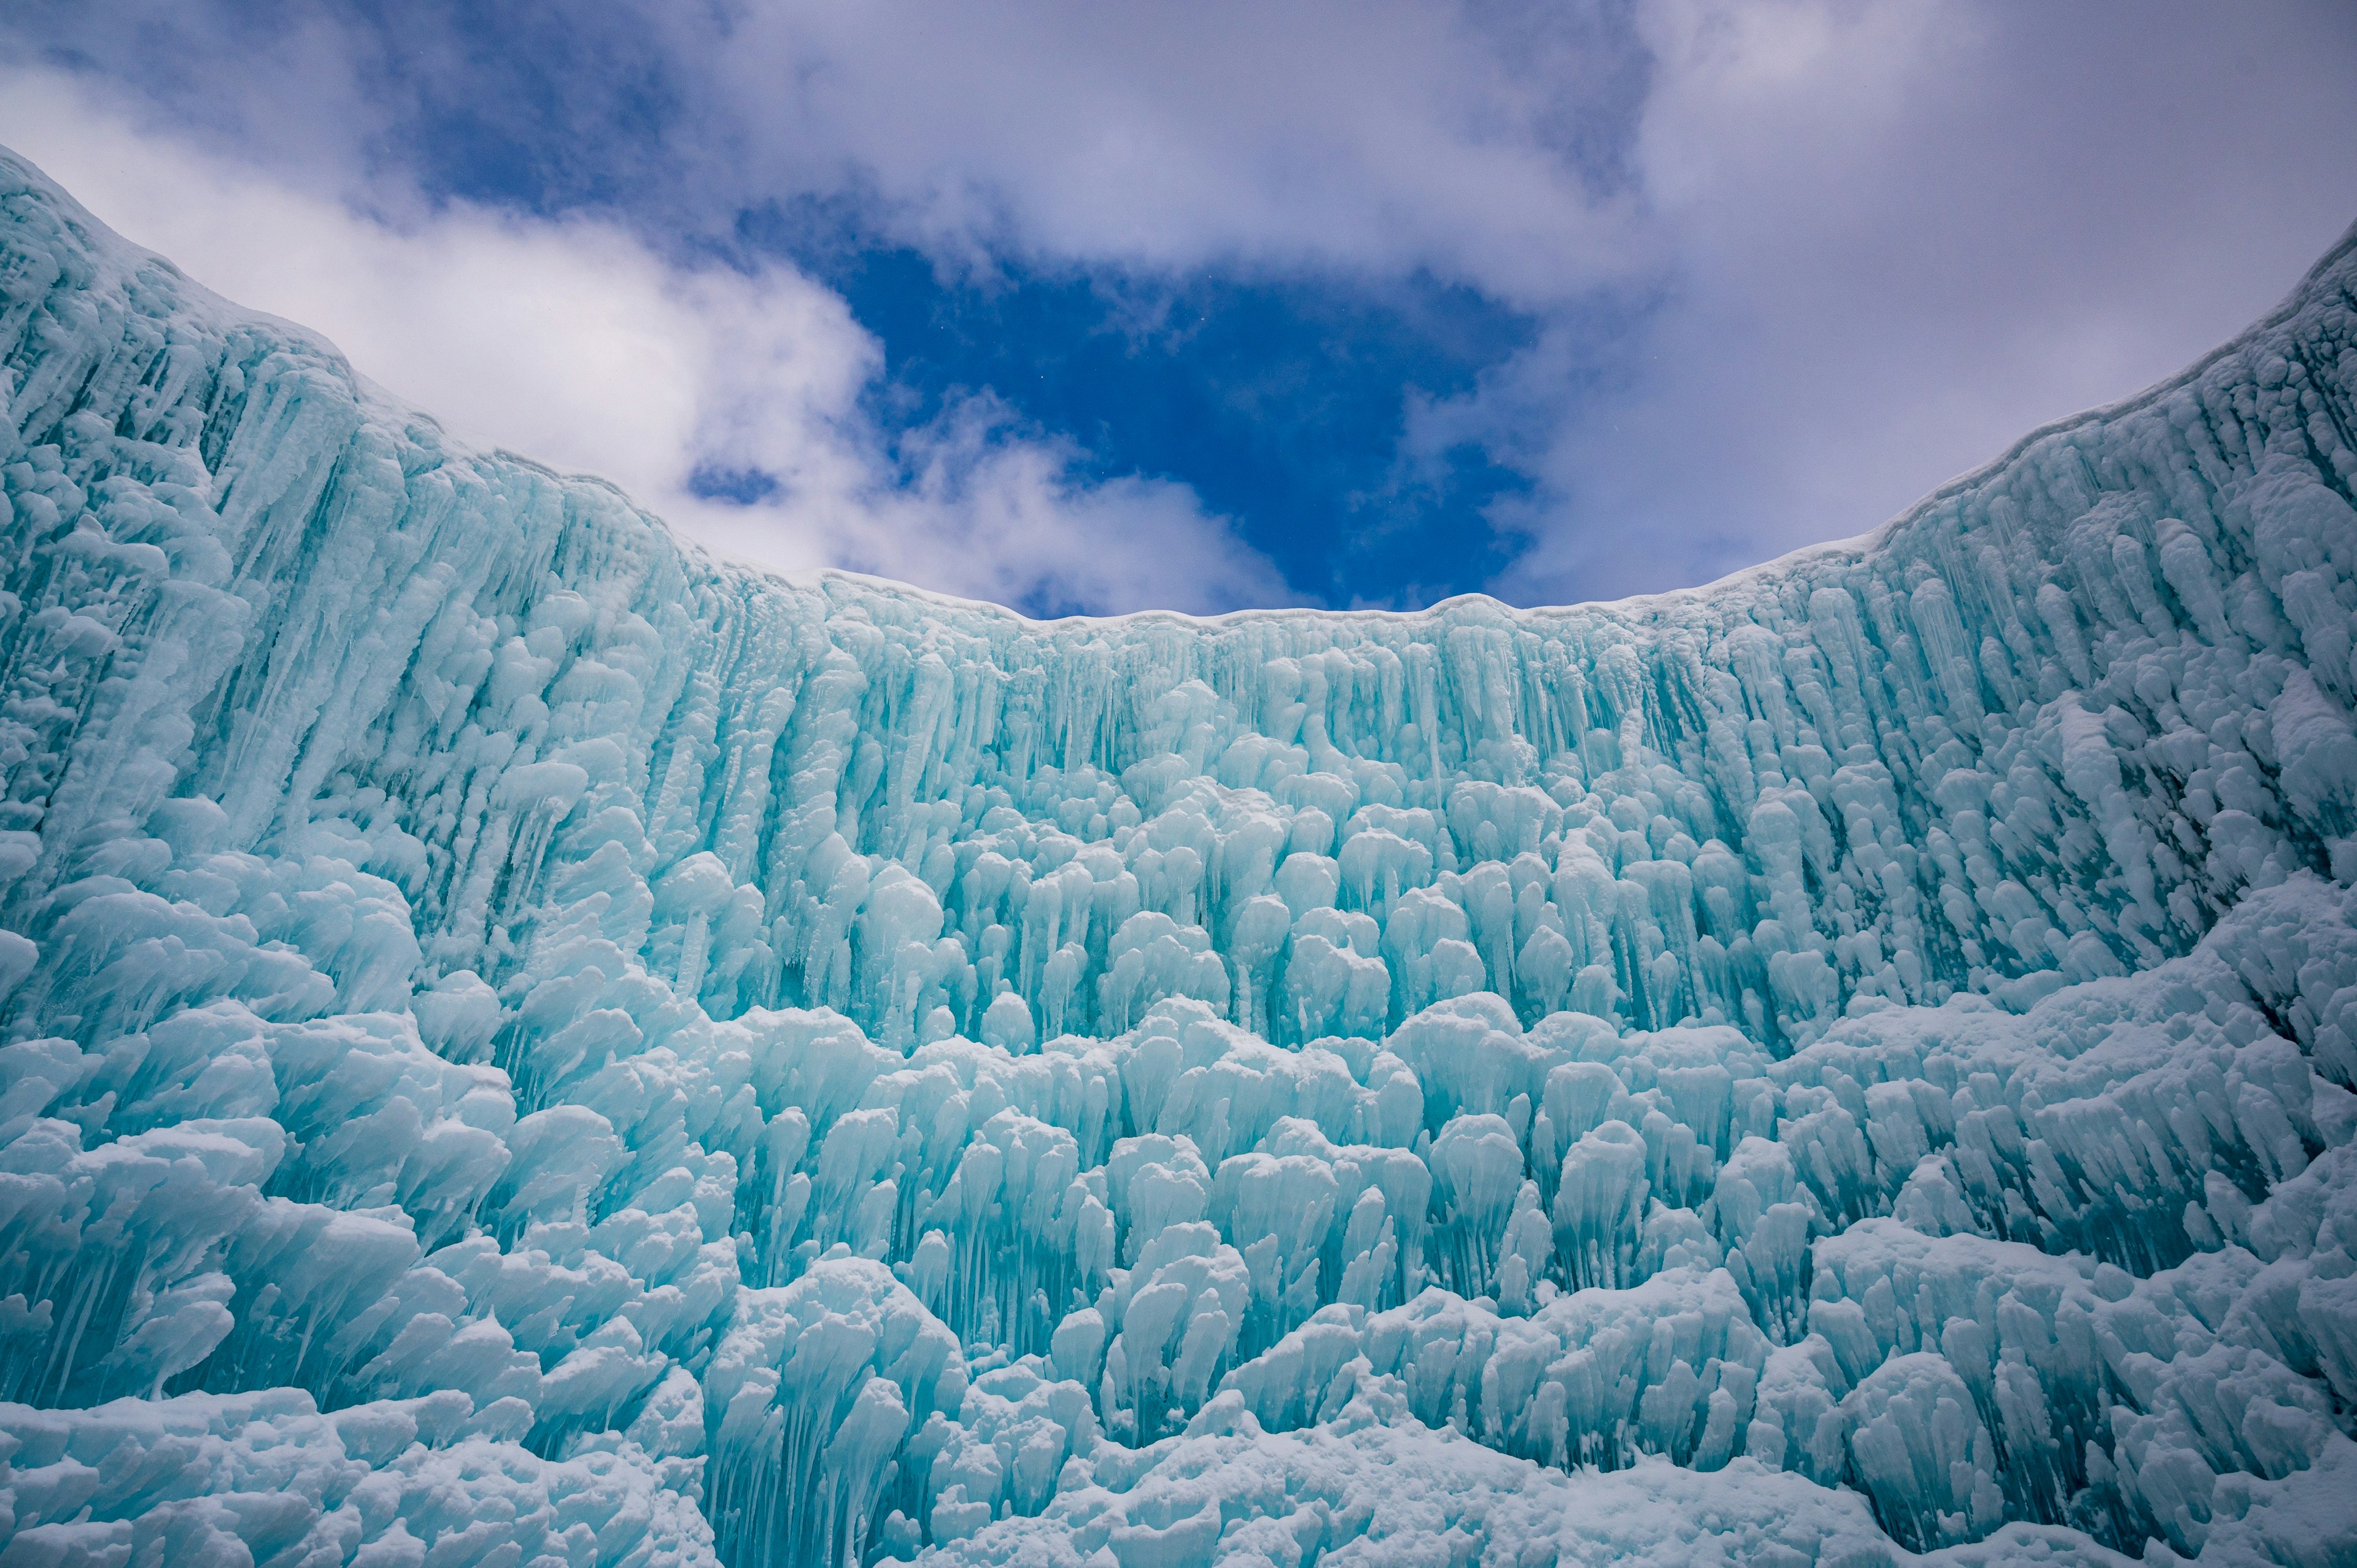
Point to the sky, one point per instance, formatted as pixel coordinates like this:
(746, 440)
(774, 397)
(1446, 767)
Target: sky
(1084, 308)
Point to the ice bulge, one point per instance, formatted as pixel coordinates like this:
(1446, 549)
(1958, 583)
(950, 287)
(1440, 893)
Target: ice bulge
(522, 1043)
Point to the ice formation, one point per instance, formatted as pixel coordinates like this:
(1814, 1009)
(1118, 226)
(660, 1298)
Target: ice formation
(526, 1045)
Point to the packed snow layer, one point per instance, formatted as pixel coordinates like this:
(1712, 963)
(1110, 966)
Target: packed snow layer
(524, 1044)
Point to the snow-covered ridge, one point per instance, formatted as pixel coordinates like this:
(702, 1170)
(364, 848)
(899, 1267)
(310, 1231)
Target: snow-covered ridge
(523, 1043)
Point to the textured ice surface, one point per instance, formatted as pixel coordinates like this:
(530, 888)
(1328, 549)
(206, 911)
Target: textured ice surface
(525, 1044)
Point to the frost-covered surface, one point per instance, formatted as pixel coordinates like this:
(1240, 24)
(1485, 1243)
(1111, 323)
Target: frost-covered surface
(523, 1045)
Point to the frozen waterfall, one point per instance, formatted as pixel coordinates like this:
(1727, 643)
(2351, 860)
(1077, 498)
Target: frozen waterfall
(522, 1044)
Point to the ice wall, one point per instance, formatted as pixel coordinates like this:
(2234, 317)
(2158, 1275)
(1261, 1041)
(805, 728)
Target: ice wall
(525, 1043)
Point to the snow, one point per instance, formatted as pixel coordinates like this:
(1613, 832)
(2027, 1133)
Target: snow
(520, 1042)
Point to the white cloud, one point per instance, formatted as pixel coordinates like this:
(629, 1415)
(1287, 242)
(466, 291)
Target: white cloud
(1907, 236)
(573, 343)
(1795, 262)
(1378, 137)
(1006, 519)
(1366, 136)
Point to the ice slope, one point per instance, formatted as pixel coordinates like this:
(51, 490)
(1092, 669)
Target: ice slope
(524, 1044)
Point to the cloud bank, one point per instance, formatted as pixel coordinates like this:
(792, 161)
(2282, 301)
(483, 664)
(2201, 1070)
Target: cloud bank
(1792, 263)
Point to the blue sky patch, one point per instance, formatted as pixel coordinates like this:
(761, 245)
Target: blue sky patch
(1282, 402)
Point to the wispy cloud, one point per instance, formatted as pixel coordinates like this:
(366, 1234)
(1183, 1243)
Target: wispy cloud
(1902, 237)
(1377, 138)
(570, 341)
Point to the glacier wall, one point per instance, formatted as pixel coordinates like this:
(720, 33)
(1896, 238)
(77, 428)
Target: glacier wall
(520, 1043)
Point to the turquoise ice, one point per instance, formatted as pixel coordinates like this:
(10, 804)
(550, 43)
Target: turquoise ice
(527, 1044)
